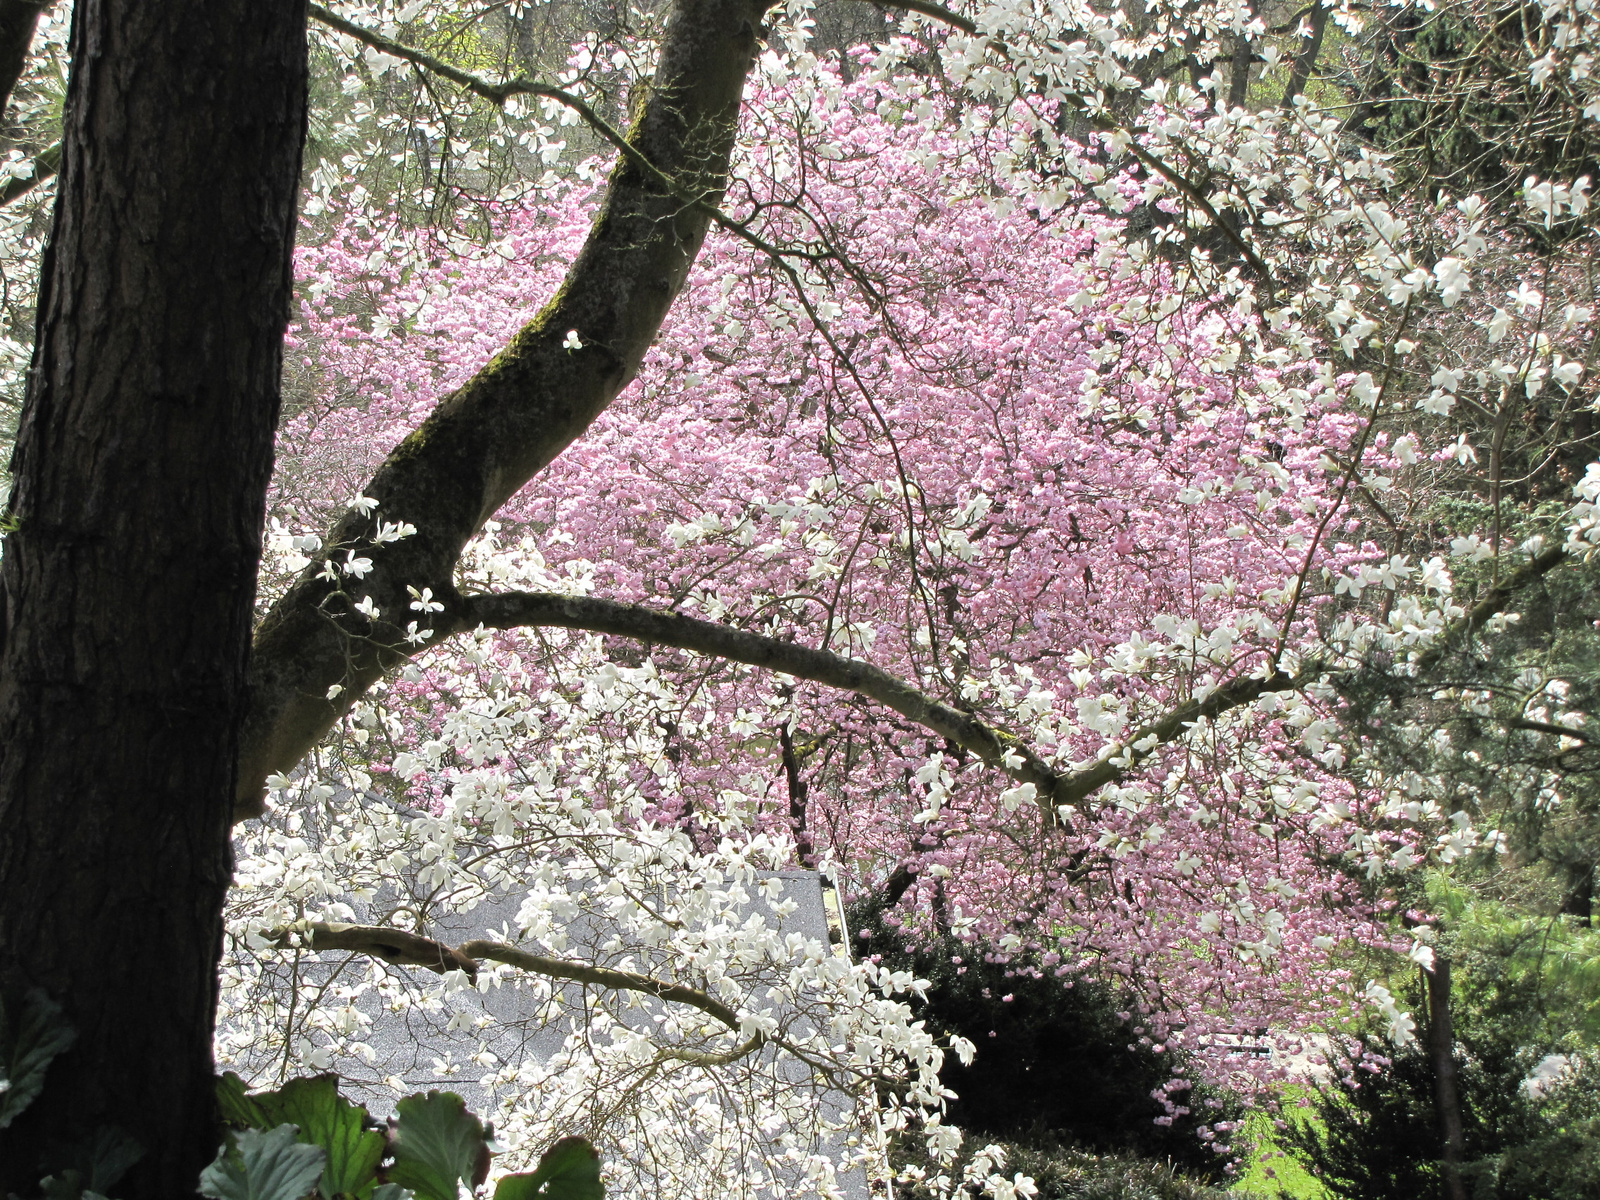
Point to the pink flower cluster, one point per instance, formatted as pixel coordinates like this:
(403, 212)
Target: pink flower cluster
(925, 450)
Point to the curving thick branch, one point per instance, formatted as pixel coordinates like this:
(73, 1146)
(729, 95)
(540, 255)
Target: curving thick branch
(487, 439)
(927, 8)
(397, 946)
(509, 610)
(1245, 690)
(1001, 750)
(618, 981)
(1550, 727)
(406, 949)
(1199, 200)
(1490, 604)
(1144, 741)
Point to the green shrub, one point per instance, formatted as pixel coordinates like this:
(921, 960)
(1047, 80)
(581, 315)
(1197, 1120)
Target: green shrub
(303, 1141)
(1376, 1136)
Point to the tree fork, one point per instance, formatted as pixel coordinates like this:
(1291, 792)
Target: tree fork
(128, 579)
(487, 439)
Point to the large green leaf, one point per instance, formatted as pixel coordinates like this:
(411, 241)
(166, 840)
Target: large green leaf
(68, 1185)
(437, 1146)
(238, 1107)
(327, 1119)
(31, 1034)
(569, 1170)
(264, 1166)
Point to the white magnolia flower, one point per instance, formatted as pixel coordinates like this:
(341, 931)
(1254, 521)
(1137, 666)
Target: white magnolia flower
(423, 601)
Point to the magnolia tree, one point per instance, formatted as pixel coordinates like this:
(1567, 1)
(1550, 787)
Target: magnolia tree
(1048, 439)
(939, 477)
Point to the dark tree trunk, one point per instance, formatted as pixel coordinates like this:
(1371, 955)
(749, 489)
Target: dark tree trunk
(1306, 61)
(1239, 72)
(1579, 900)
(140, 478)
(799, 796)
(18, 18)
(1446, 1095)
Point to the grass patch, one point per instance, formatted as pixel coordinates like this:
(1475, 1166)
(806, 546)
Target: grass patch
(1272, 1170)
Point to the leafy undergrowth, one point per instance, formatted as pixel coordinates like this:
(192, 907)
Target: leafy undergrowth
(1059, 1171)
(1063, 1173)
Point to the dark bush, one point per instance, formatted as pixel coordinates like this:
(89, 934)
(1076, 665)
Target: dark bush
(1064, 1173)
(1054, 1063)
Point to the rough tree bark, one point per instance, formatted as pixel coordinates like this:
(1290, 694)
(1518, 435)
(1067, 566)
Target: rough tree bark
(140, 479)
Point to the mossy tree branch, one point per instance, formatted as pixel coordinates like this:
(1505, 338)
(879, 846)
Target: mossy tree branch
(515, 609)
(404, 948)
(487, 439)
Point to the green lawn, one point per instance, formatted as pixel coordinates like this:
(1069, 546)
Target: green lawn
(1272, 1172)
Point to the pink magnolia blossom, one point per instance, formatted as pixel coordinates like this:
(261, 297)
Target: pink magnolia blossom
(1067, 516)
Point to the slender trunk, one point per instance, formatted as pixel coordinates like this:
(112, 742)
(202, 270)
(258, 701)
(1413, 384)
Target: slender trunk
(1306, 61)
(1579, 900)
(1446, 1097)
(127, 585)
(1239, 72)
(799, 797)
(897, 885)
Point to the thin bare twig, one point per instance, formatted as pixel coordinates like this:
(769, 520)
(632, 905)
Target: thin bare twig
(498, 93)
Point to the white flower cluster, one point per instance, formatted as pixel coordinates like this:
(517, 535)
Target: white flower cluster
(532, 798)
(1401, 1026)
